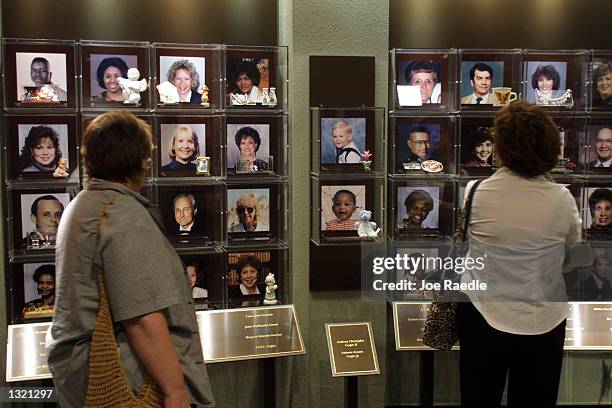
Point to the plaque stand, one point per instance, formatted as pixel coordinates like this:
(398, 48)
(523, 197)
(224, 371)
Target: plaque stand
(351, 389)
(268, 368)
(426, 385)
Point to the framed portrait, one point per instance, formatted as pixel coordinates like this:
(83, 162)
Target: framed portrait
(248, 148)
(477, 155)
(39, 74)
(571, 137)
(597, 211)
(103, 63)
(248, 74)
(206, 274)
(182, 139)
(548, 77)
(599, 152)
(246, 273)
(343, 140)
(38, 290)
(418, 208)
(602, 83)
(37, 216)
(419, 140)
(37, 144)
(478, 78)
(339, 206)
(190, 214)
(249, 212)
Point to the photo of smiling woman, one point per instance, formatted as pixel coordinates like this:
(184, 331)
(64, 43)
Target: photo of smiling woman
(40, 147)
(182, 144)
(482, 149)
(547, 79)
(599, 216)
(246, 272)
(107, 73)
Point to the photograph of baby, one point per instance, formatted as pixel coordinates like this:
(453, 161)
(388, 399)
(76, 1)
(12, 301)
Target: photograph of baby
(419, 83)
(602, 84)
(477, 80)
(38, 288)
(339, 205)
(343, 140)
(547, 77)
(104, 71)
(477, 147)
(248, 144)
(418, 208)
(598, 218)
(35, 70)
(418, 142)
(186, 74)
(41, 214)
(248, 210)
(180, 145)
(248, 76)
(41, 146)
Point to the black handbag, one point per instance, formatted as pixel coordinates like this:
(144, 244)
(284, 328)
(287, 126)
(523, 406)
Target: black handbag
(441, 323)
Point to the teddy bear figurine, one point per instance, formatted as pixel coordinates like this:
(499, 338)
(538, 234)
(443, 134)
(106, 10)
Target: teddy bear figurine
(365, 227)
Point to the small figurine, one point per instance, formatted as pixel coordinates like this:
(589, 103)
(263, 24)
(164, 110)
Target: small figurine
(366, 160)
(62, 169)
(204, 91)
(47, 94)
(168, 93)
(365, 227)
(132, 87)
(265, 99)
(239, 99)
(273, 100)
(271, 286)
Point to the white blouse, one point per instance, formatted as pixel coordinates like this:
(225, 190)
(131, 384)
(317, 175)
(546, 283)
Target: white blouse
(519, 227)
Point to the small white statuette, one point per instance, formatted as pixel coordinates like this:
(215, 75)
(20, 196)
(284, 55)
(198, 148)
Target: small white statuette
(132, 87)
(365, 227)
(271, 286)
(273, 100)
(265, 99)
(204, 91)
(168, 93)
(239, 99)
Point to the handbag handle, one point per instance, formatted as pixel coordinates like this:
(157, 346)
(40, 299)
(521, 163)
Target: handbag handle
(468, 209)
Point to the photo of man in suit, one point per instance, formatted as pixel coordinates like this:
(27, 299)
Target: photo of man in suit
(185, 215)
(40, 73)
(603, 148)
(46, 212)
(481, 79)
(419, 143)
(597, 287)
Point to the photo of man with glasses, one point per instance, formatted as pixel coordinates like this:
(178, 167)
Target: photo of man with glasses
(421, 141)
(251, 212)
(603, 148)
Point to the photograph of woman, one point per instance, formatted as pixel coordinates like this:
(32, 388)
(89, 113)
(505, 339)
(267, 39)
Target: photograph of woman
(40, 151)
(107, 73)
(602, 84)
(249, 271)
(183, 146)
(547, 80)
(244, 79)
(481, 151)
(186, 79)
(248, 141)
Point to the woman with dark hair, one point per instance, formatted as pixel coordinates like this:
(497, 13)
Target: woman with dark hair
(482, 149)
(248, 141)
(521, 221)
(185, 78)
(107, 73)
(425, 75)
(44, 277)
(246, 80)
(108, 231)
(419, 204)
(41, 151)
(546, 80)
(248, 269)
(602, 84)
(600, 205)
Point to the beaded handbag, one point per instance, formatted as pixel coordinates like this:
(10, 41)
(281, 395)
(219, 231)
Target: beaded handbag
(107, 382)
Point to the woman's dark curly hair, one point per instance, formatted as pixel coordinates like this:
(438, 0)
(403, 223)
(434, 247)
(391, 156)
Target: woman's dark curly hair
(526, 139)
(110, 62)
(35, 134)
(248, 260)
(548, 71)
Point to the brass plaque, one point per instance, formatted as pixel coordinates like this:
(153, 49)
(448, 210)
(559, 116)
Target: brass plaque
(408, 325)
(589, 326)
(250, 333)
(351, 349)
(26, 357)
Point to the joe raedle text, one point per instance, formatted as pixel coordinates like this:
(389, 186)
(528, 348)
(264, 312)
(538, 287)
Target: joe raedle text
(446, 284)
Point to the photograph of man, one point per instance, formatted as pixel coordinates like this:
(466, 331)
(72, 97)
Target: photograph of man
(481, 81)
(185, 215)
(418, 208)
(600, 210)
(41, 70)
(249, 210)
(44, 278)
(425, 75)
(597, 287)
(43, 215)
(420, 144)
(343, 140)
(602, 148)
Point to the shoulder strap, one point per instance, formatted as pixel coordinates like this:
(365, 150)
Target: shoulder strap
(346, 151)
(468, 209)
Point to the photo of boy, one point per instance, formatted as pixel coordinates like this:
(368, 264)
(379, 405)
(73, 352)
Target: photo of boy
(339, 204)
(342, 140)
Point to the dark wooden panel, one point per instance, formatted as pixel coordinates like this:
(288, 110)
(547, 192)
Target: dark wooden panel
(248, 22)
(546, 24)
(334, 267)
(337, 81)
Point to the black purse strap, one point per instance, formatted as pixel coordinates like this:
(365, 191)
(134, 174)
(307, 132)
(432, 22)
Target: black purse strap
(468, 209)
